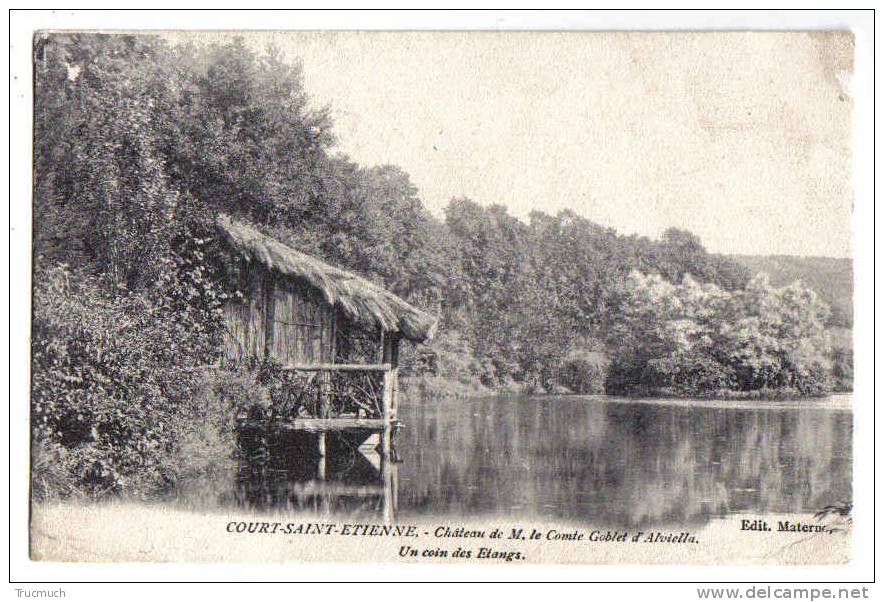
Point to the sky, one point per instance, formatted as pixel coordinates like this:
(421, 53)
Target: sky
(742, 138)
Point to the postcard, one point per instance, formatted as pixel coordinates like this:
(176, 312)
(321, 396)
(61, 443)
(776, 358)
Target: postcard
(442, 297)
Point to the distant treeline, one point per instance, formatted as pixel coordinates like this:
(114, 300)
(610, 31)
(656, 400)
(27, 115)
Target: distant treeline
(138, 143)
(830, 277)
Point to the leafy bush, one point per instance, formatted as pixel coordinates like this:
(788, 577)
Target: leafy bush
(50, 471)
(695, 339)
(693, 376)
(842, 369)
(446, 367)
(112, 398)
(584, 372)
(449, 355)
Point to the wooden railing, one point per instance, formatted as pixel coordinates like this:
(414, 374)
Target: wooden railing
(329, 391)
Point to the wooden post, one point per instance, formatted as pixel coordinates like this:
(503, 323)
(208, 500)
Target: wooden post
(394, 362)
(325, 394)
(391, 357)
(387, 395)
(391, 385)
(269, 314)
(321, 450)
(386, 400)
(389, 501)
(394, 487)
(387, 467)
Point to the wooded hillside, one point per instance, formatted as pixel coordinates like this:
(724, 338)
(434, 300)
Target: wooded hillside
(830, 277)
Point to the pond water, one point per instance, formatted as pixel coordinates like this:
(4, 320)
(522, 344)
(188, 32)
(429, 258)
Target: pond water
(583, 459)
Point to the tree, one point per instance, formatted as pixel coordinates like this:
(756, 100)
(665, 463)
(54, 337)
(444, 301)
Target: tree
(695, 339)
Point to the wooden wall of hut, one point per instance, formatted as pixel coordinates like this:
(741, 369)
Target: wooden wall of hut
(244, 321)
(281, 319)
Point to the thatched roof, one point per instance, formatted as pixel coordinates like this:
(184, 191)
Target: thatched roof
(358, 298)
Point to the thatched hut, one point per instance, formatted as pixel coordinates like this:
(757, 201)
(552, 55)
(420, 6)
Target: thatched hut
(313, 318)
(300, 310)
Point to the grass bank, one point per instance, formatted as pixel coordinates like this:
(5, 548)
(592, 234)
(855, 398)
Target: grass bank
(765, 394)
(444, 387)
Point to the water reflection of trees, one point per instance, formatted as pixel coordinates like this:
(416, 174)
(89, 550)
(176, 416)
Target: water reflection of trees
(618, 463)
(287, 475)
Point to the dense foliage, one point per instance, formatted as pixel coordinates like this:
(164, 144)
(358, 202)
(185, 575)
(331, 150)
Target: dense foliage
(108, 388)
(138, 143)
(695, 338)
(830, 277)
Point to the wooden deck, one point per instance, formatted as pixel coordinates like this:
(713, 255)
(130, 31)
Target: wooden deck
(349, 422)
(346, 431)
(339, 367)
(323, 425)
(338, 489)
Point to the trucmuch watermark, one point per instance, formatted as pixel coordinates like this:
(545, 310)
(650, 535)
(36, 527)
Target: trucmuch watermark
(40, 593)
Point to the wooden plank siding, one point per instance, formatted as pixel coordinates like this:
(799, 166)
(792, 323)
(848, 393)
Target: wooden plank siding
(244, 322)
(281, 319)
(303, 326)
